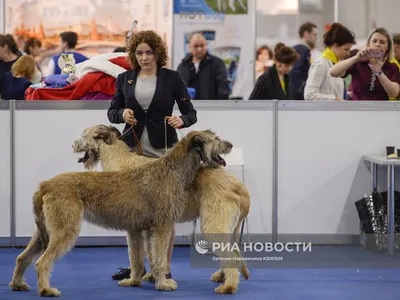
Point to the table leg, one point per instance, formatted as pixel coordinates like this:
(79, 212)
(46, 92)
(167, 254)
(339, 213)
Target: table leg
(390, 209)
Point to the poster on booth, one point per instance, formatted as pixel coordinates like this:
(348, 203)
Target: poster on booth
(101, 25)
(228, 26)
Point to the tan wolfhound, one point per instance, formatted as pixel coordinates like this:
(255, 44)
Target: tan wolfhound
(218, 198)
(153, 195)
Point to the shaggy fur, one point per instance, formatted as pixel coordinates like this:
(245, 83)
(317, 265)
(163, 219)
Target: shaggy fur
(152, 195)
(219, 199)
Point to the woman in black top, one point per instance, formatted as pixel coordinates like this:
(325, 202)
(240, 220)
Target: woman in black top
(274, 84)
(144, 97)
(9, 53)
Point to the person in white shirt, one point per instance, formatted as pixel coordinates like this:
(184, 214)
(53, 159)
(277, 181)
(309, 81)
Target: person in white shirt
(320, 85)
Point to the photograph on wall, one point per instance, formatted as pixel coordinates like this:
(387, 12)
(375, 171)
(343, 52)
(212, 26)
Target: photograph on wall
(101, 25)
(228, 28)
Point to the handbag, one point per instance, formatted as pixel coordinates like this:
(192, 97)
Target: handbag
(372, 212)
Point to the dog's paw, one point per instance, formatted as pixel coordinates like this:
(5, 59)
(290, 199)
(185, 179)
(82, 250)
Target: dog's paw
(167, 285)
(129, 282)
(226, 289)
(51, 292)
(19, 286)
(217, 276)
(148, 277)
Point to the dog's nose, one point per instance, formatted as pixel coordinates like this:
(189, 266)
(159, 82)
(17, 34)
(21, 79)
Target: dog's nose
(229, 145)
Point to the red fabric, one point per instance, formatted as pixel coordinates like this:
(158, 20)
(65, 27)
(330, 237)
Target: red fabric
(91, 82)
(122, 62)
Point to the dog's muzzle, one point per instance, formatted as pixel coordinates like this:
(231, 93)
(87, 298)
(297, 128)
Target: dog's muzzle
(84, 158)
(77, 147)
(219, 160)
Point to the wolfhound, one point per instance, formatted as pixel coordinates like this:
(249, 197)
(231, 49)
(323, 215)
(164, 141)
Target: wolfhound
(153, 195)
(218, 198)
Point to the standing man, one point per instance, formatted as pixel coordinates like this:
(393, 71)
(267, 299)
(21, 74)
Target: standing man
(204, 72)
(299, 74)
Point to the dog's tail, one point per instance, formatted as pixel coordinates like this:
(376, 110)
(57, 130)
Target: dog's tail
(243, 266)
(39, 216)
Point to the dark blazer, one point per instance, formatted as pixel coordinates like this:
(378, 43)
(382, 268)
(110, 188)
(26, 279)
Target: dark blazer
(299, 73)
(210, 82)
(170, 88)
(268, 87)
(13, 87)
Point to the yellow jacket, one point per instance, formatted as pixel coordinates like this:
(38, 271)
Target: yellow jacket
(397, 63)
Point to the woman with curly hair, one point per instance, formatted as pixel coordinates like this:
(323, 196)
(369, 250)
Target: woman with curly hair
(144, 98)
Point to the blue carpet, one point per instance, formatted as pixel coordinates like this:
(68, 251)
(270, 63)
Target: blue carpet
(85, 273)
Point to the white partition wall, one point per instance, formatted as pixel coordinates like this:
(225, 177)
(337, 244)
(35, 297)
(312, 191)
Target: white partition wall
(303, 161)
(44, 133)
(320, 170)
(5, 191)
(43, 140)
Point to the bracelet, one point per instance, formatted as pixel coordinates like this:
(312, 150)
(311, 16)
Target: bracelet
(378, 73)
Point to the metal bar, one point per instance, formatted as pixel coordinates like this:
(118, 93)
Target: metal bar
(390, 212)
(275, 172)
(12, 174)
(374, 177)
(336, 11)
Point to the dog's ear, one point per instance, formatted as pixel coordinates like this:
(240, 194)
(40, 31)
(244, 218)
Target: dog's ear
(196, 143)
(103, 134)
(115, 131)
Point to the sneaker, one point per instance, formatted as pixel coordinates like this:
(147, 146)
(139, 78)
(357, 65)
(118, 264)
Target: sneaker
(124, 273)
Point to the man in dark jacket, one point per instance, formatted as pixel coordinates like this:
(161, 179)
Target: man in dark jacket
(299, 73)
(204, 72)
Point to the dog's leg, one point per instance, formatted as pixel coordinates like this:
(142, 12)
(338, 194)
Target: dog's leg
(218, 276)
(236, 239)
(64, 227)
(136, 258)
(149, 277)
(61, 241)
(23, 261)
(159, 246)
(221, 232)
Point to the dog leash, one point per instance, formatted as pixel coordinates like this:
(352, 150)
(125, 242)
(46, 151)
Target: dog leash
(139, 145)
(165, 134)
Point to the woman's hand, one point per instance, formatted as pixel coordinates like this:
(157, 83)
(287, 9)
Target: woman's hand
(362, 53)
(376, 64)
(129, 116)
(175, 121)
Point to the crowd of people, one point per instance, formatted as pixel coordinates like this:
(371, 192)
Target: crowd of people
(342, 71)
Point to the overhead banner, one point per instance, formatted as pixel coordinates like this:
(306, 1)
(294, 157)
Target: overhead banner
(229, 28)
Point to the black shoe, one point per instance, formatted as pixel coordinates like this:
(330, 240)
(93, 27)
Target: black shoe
(124, 274)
